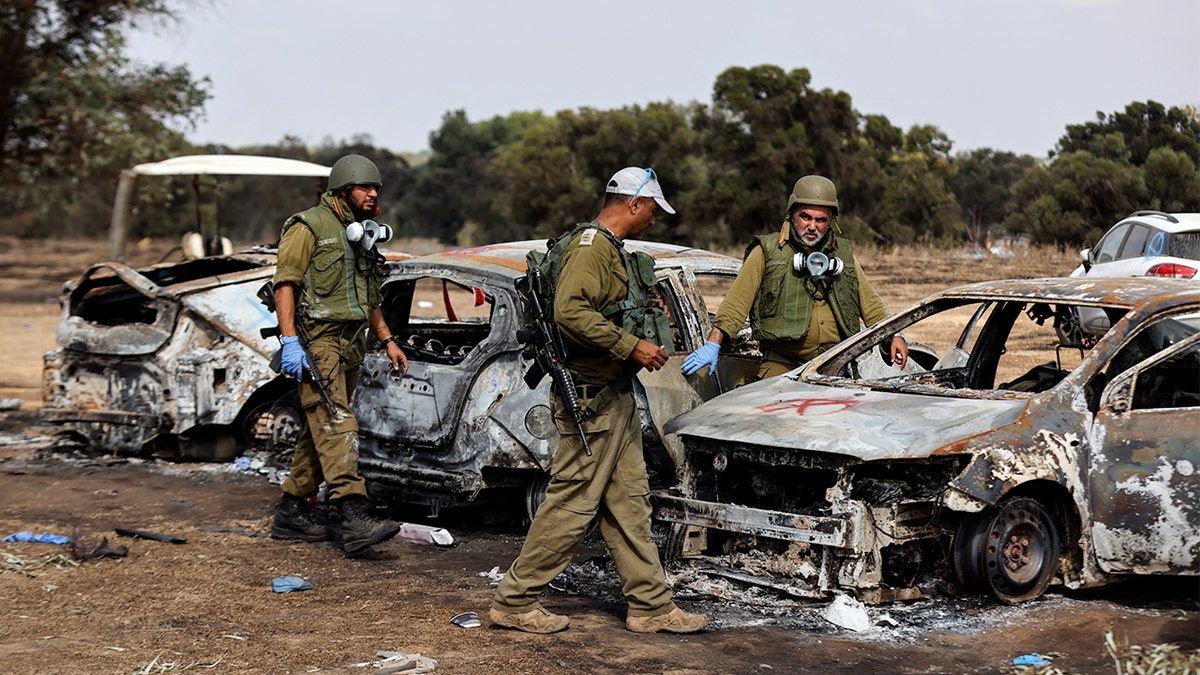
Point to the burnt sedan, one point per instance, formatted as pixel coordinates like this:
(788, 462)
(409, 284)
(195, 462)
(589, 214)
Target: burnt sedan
(1011, 463)
(462, 426)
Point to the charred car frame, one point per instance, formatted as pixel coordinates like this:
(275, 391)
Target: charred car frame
(1012, 462)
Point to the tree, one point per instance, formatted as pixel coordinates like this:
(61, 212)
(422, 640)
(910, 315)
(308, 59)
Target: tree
(455, 188)
(981, 186)
(1142, 127)
(74, 110)
(1075, 199)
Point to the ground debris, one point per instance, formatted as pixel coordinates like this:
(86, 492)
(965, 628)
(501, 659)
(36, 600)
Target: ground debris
(156, 666)
(1161, 659)
(31, 565)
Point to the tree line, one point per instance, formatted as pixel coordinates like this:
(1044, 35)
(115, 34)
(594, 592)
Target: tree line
(74, 112)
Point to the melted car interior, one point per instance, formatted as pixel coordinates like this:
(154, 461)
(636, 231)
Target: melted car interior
(437, 319)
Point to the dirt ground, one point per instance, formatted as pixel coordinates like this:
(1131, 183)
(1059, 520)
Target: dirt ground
(207, 605)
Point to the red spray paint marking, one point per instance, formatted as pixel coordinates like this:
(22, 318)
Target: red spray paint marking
(809, 406)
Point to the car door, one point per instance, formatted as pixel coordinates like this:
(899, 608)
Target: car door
(1143, 478)
(450, 325)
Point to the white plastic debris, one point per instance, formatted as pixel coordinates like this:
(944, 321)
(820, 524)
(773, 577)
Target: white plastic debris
(425, 534)
(494, 574)
(848, 613)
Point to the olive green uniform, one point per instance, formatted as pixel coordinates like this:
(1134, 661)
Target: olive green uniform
(315, 255)
(814, 328)
(611, 485)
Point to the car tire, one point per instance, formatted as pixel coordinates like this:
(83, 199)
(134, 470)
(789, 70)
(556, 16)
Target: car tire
(1010, 550)
(535, 493)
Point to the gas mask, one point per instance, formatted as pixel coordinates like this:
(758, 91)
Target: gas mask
(817, 265)
(368, 233)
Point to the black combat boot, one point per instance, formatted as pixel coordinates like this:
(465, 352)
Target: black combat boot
(294, 520)
(360, 530)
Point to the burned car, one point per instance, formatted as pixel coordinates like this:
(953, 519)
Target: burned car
(1010, 463)
(462, 426)
(168, 359)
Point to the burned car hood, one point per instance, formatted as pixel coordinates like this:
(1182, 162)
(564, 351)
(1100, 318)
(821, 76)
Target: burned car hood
(870, 425)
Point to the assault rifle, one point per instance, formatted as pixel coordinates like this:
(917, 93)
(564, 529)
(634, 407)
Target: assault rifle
(550, 353)
(266, 295)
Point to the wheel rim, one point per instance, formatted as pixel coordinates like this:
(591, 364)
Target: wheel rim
(1020, 553)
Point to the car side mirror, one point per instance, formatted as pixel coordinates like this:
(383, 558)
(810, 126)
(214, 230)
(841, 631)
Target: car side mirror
(1086, 256)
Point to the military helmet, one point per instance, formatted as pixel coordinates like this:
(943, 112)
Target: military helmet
(813, 190)
(353, 170)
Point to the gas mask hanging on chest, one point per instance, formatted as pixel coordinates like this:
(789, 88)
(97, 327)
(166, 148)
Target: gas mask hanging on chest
(817, 266)
(368, 233)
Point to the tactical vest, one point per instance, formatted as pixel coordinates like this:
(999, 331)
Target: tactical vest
(338, 287)
(636, 314)
(783, 307)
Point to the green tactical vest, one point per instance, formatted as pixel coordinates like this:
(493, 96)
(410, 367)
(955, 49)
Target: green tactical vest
(783, 307)
(337, 286)
(636, 314)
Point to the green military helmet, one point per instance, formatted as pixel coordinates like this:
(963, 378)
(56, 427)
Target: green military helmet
(353, 170)
(813, 190)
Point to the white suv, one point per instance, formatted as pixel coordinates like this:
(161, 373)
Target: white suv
(1145, 244)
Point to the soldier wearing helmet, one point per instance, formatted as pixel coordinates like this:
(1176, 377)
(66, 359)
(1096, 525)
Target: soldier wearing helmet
(327, 290)
(801, 288)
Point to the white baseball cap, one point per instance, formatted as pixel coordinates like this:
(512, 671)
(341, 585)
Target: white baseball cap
(638, 182)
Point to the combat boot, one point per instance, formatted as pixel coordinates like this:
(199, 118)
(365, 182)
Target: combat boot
(360, 530)
(674, 621)
(294, 520)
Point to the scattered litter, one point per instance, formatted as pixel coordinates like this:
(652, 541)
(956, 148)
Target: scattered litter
(242, 463)
(43, 538)
(1031, 660)
(106, 551)
(395, 662)
(466, 620)
(886, 619)
(7, 404)
(425, 534)
(289, 584)
(494, 575)
(848, 613)
(169, 538)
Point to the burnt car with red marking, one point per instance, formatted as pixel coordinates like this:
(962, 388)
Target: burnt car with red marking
(1011, 463)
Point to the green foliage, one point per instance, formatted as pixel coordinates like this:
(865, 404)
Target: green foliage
(1075, 199)
(74, 110)
(1143, 157)
(982, 182)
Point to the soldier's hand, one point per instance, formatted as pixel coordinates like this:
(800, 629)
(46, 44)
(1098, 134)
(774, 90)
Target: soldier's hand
(649, 355)
(293, 360)
(398, 358)
(899, 351)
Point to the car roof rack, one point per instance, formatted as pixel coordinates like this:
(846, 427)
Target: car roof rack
(1168, 216)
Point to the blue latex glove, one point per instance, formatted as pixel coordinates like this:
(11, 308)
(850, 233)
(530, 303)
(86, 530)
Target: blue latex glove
(289, 584)
(292, 359)
(43, 538)
(704, 356)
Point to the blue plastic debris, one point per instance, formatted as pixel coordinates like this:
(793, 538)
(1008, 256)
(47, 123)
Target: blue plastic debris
(242, 463)
(289, 584)
(43, 538)
(1031, 660)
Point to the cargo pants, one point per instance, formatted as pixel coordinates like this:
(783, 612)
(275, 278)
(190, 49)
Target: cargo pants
(328, 450)
(611, 486)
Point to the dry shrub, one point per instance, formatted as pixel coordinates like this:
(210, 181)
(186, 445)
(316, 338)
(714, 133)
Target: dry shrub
(1161, 659)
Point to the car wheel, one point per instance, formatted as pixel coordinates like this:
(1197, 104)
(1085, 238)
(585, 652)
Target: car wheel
(1010, 550)
(1070, 331)
(535, 493)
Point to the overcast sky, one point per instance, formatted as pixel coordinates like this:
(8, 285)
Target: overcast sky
(1005, 74)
